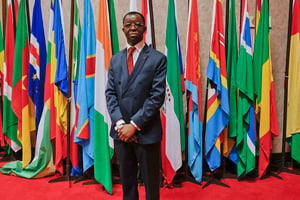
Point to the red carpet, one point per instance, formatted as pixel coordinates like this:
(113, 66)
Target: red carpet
(269, 188)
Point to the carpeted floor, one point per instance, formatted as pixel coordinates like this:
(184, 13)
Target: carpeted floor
(269, 188)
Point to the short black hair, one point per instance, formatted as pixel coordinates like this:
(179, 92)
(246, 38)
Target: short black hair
(133, 13)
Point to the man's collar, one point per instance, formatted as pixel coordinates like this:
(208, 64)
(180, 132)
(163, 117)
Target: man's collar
(139, 46)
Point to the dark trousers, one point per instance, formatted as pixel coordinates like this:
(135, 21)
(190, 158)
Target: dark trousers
(147, 157)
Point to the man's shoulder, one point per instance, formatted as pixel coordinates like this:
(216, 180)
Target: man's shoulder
(155, 52)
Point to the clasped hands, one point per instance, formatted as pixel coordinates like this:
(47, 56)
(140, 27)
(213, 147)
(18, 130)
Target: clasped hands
(126, 132)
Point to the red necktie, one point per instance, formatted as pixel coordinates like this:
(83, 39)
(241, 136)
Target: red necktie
(130, 59)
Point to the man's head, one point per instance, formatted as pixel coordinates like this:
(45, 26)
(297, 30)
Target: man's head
(134, 27)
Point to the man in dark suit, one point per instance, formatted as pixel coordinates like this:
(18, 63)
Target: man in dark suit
(134, 97)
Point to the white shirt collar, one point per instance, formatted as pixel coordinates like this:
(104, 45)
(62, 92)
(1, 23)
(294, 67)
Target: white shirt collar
(139, 46)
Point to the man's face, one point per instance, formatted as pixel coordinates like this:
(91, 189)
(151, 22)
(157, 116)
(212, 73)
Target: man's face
(133, 28)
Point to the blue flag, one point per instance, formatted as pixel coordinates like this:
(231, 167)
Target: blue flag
(37, 65)
(84, 132)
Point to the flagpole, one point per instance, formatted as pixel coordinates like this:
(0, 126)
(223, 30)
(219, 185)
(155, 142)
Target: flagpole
(14, 16)
(286, 81)
(152, 24)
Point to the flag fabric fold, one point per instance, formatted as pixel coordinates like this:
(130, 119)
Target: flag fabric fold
(103, 143)
(193, 85)
(21, 104)
(172, 111)
(217, 103)
(246, 134)
(293, 107)
(84, 132)
(229, 148)
(146, 13)
(10, 120)
(264, 89)
(75, 152)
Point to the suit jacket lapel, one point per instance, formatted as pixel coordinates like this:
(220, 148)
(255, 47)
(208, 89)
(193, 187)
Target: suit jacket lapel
(137, 67)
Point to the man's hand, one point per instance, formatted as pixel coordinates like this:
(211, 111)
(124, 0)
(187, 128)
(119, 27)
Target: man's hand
(126, 132)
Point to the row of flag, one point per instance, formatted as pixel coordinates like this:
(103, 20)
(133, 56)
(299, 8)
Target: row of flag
(36, 90)
(240, 91)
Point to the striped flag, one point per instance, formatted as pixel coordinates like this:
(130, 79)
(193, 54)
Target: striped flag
(193, 85)
(2, 143)
(84, 132)
(114, 30)
(42, 164)
(37, 66)
(74, 151)
(172, 111)
(146, 13)
(103, 142)
(21, 103)
(246, 134)
(293, 106)
(264, 89)
(10, 120)
(217, 103)
(56, 58)
(229, 147)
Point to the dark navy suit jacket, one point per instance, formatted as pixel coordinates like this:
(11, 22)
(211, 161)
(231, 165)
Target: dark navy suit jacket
(139, 96)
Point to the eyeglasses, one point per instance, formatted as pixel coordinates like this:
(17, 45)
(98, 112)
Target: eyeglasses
(136, 25)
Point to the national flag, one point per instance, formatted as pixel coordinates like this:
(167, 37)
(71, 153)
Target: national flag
(10, 120)
(246, 134)
(37, 66)
(217, 103)
(146, 13)
(75, 153)
(172, 111)
(103, 143)
(293, 106)
(258, 12)
(132, 5)
(229, 148)
(2, 143)
(21, 103)
(56, 59)
(264, 90)
(181, 69)
(113, 26)
(193, 85)
(84, 132)
(42, 164)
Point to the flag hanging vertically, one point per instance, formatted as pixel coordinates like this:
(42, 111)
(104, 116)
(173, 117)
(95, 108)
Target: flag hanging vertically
(10, 120)
(2, 143)
(114, 30)
(84, 132)
(246, 134)
(74, 151)
(56, 58)
(193, 85)
(146, 13)
(21, 103)
(229, 148)
(293, 106)
(37, 67)
(264, 89)
(42, 164)
(172, 111)
(103, 142)
(217, 103)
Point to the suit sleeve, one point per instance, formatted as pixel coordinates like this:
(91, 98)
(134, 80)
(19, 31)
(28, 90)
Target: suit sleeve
(111, 97)
(156, 96)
